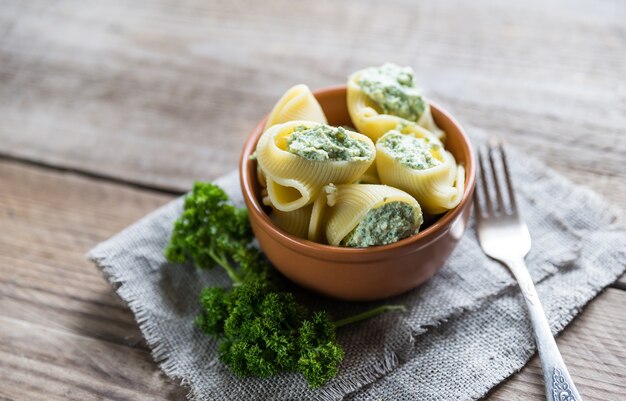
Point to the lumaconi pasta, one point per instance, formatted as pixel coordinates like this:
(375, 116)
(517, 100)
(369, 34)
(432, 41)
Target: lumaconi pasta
(369, 116)
(298, 103)
(295, 222)
(293, 181)
(351, 203)
(421, 167)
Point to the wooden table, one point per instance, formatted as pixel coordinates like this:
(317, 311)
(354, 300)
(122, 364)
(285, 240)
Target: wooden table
(109, 109)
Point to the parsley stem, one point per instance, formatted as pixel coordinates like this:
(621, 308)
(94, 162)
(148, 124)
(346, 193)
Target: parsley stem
(222, 261)
(368, 314)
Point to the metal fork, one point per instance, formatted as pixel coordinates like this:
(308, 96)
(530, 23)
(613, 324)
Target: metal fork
(504, 236)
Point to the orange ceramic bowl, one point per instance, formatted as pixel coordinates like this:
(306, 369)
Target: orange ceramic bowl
(360, 274)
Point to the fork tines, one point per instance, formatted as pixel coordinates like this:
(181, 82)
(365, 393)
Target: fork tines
(500, 199)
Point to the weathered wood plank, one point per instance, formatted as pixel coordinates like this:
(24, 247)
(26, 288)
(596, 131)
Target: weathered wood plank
(38, 362)
(48, 222)
(594, 349)
(165, 92)
(64, 334)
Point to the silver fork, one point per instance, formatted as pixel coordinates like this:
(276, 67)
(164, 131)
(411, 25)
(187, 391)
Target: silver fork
(504, 236)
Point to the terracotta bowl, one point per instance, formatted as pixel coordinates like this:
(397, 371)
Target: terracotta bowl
(360, 274)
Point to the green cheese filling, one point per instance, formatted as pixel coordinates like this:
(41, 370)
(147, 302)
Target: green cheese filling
(410, 151)
(394, 90)
(323, 142)
(383, 225)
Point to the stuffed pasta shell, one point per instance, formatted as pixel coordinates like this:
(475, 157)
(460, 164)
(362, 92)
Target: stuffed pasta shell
(362, 215)
(380, 98)
(300, 157)
(423, 168)
(298, 103)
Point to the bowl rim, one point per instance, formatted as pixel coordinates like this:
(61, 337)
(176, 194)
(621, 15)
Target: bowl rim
(319, 250)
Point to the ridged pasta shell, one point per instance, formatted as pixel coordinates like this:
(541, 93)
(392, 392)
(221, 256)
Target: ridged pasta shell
(349, 203)
(260, 175)
(437, 189)
(298, 103)
(370, 176)
(293, 181)
(317, 223)
(295, 222)
(369, 120)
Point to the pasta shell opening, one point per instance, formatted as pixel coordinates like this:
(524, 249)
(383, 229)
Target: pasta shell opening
(288, 194)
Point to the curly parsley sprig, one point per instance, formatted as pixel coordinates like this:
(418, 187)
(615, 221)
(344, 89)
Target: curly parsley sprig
(261, 329)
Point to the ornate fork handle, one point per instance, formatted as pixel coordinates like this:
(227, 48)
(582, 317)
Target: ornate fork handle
(559, 384)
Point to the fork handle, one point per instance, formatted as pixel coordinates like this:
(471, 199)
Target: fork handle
(559, 385)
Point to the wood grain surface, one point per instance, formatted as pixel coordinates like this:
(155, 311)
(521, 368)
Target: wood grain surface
(164, 92)
(137, 100)
(64, 334)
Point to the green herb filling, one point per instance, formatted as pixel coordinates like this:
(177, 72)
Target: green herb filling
(394, 90)
(323, 142)
(410, 151)
(383, 225)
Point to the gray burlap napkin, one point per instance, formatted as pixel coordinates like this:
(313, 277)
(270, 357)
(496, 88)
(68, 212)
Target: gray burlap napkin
(464, 331)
